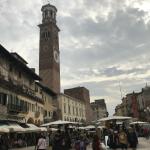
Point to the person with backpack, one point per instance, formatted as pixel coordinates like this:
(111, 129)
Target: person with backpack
(123, 141)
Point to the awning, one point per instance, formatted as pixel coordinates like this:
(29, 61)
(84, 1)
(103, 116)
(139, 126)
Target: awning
(101, 127)
(4, 129)
(43, 129)
(53, 129)
(32, 128)
(115, 118)
(82, 128)
(139, 122)
(15, 128)
(58, 122)
(89, 127)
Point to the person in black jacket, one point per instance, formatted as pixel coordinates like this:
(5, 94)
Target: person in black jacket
(132, 138)
(58, 141)
(112, 140)
(4, 142)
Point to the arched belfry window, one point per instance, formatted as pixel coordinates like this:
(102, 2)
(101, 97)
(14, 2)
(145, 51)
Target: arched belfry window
(51, 13)
(46, 14)
(46, 35)
(54, 15)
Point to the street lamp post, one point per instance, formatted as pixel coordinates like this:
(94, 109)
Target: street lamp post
(147, 111)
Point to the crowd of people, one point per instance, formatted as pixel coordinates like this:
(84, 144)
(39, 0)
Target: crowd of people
(118, 137)
(122, 138)
(75, 140)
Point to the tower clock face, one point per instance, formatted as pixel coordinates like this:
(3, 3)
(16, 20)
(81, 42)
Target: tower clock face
(56, 56)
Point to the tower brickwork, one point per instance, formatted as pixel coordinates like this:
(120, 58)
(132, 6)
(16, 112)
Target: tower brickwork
(79, 92)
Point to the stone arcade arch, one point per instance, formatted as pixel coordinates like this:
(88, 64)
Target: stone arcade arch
(30, 120)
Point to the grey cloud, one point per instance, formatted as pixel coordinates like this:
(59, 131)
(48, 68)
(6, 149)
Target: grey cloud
(119, 37)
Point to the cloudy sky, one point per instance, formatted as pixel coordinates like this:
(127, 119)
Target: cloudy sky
(103, 43)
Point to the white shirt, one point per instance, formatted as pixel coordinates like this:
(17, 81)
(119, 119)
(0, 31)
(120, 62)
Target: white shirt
(41, 143)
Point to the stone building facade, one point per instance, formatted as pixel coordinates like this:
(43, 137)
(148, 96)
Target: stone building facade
(72, 109)
(119, 110)
(144, 103)
(99, 109)
(129, 106)
(136, 105)
(82, 93)
(17, 89)
(48, 97)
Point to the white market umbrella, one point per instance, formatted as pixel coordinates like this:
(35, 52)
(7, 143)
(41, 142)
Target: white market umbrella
(15, 128)
(90, 127)
(81, 128)
(53, 129)
(139, 122)
(76, 123)
(4, 129)
(32, 128)
(114, 118)
(58, 122)
(43, 129)
(101, 127)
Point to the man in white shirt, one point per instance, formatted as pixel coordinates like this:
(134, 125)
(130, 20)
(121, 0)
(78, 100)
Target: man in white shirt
(41, 143)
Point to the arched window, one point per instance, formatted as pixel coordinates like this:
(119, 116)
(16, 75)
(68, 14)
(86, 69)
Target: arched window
(48, 34)
(51, 13)
(46, 14)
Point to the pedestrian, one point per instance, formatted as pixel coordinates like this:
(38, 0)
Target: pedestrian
(41, 145)
(123, 142)
(77, 143)
(132, 138)
(96, 145)
(113, 139)
(83, 143)
(146, 133)
(67, 141)
(4, 145)
(58, 141)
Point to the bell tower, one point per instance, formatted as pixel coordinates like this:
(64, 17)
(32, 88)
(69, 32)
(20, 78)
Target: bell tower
(49, 65)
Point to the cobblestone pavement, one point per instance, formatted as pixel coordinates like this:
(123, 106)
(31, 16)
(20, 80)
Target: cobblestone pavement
(144, 144)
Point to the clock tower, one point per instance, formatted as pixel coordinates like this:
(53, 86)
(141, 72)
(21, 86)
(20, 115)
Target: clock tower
(49, 66)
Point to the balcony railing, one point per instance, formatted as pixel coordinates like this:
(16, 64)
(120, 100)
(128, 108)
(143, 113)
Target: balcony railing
(19, 89)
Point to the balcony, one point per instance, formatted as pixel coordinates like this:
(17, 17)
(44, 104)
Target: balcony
(19, 89)
(28, 90)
